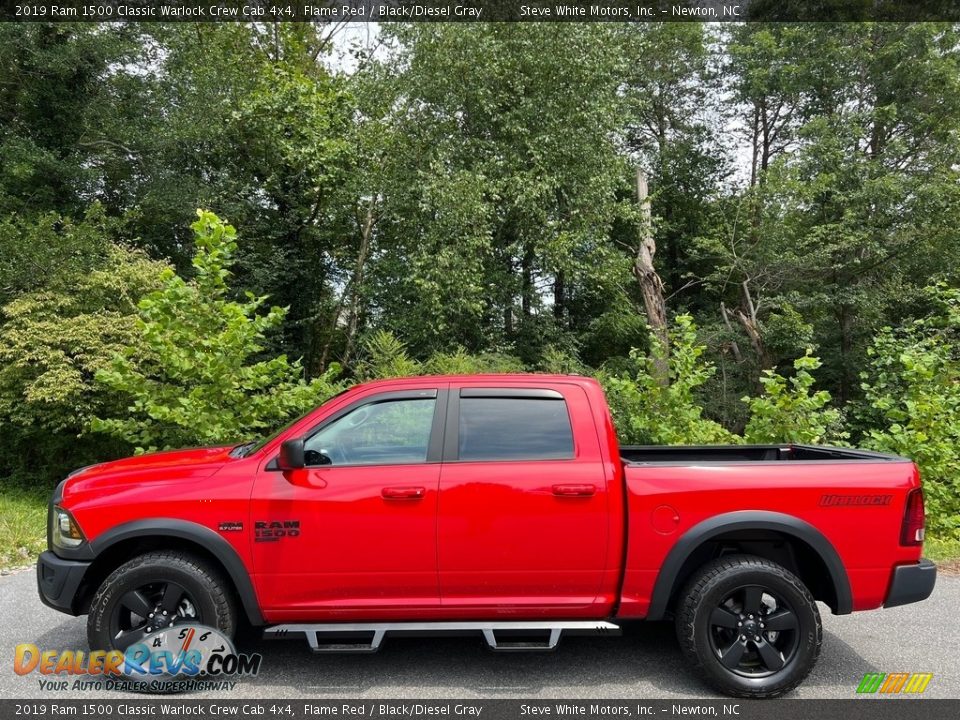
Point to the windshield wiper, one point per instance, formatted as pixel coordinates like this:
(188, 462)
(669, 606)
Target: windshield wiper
(241, 450)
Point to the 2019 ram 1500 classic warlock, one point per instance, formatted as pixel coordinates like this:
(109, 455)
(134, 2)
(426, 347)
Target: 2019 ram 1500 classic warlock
(497, 504)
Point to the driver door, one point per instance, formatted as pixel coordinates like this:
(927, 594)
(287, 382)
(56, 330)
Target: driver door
(353, 535)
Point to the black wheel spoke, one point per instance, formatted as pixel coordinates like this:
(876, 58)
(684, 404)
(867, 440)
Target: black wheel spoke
(137, 602)
(171, 598)
(781, 620)
(721, 617)
(126, 638)
(770, 655)
(752, 621)
(751, 599)
(731, 656)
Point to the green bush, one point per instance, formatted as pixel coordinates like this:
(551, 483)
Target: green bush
(460, 362)
(73, 309)
(192, 375)
(385, 356)
(912, 387)
(648, 411)
(789, 411)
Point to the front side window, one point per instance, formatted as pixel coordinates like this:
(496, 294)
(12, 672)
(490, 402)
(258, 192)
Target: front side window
(514, 428)
(392, 432)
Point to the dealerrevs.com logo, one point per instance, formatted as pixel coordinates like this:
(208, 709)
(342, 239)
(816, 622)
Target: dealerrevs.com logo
(183, 658)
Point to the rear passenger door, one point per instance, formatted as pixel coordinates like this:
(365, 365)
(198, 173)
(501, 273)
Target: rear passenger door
(523, 507)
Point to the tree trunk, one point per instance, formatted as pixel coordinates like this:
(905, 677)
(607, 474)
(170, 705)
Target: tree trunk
(559, 296)
(651, 286)
(526, 278)
(845, 318)
(751, 326)
(734, 347)
(353, 316)
(755, 146)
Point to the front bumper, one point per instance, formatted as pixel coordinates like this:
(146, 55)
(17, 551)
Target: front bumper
(58, 581)
(911, 583)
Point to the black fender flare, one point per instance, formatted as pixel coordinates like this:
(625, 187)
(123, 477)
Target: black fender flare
(203, 536)
(667, 579)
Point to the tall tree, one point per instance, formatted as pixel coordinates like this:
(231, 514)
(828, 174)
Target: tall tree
(504, 187)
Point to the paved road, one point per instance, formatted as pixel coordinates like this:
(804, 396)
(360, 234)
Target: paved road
(644, 663)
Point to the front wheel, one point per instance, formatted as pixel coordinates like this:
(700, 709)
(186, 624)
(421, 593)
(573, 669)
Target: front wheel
(749, 625)
(154, 591)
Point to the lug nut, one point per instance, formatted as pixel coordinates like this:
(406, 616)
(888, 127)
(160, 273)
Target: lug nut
(757, 638)
(164, 612)
(150, 615)
(762, 625)
(743, 637)
(739, 624)
(749, 616)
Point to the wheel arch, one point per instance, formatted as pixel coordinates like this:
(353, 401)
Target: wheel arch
(812, 553)
(123, 542)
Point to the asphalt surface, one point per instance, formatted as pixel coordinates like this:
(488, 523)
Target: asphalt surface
(644, 663)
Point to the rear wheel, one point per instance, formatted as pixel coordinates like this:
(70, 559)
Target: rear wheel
(749, 625)
(154, 591)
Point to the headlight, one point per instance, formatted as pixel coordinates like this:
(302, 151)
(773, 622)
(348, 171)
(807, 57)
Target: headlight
(64, 530)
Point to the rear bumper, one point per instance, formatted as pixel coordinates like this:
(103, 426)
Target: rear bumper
(58, 581)
(911, 583)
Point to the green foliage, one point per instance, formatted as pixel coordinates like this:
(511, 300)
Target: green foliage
(912, 389)
(75, 294)
(50, 251)
(789, 411)
(385, 356)
(460, 362)
(470, 189)
(498, 187)
(192, 376)
(649, 412)
(54, 342)
(560, 361)
(51, 99)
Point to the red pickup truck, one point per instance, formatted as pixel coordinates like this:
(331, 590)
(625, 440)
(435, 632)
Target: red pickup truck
(500, 505)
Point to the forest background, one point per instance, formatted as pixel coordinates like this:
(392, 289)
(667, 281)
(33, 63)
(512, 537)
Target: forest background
(748, 233)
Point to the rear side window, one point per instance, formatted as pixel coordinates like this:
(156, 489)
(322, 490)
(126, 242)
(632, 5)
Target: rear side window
(514, 428)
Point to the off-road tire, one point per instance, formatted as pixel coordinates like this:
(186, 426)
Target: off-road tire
(707, 589)
(210, 591)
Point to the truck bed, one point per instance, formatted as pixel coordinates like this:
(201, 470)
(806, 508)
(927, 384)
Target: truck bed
(700, 454)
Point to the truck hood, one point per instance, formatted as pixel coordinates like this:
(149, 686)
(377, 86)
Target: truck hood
(167, 466)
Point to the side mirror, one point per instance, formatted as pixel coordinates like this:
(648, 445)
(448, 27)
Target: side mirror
(291, 455)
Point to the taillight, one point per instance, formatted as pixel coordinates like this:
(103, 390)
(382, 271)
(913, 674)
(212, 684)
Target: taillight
(914, 518)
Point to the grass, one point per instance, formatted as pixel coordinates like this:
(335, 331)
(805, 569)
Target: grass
(23, 525)
(943, 551)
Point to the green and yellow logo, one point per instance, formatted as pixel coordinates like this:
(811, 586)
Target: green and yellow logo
(892, 683)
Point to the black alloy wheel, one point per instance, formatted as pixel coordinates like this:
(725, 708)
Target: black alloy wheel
(754, 632)
(156, 591)
(150, 608)
(750, 626)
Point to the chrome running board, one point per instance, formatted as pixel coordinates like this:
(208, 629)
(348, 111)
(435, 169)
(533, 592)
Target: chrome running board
(515, 636)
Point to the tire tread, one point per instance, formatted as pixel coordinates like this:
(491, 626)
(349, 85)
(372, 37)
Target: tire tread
(701, 583)
(211, 578)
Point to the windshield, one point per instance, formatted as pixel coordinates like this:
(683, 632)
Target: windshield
(248, 448)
